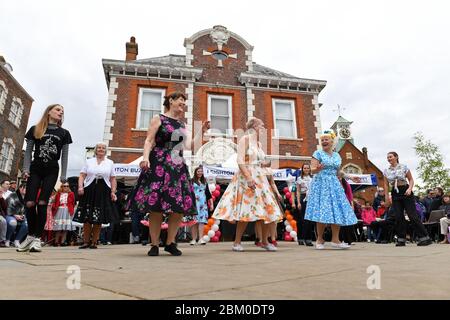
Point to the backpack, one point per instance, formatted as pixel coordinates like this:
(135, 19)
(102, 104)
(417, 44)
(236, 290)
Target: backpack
(421, 210)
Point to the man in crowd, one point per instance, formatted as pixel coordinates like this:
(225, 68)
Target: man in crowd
(16, 216)
(380, 196)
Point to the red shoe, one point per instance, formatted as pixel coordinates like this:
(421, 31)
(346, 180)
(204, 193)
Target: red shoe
(258, 244)
(275, 243)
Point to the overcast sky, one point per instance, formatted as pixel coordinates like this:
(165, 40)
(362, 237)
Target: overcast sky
(386, 62)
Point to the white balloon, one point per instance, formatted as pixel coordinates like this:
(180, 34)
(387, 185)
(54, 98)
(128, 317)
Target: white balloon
(217, 222)
(211, 233)
(206, 238)
(286, 223)
(289, 228)
(293, 234)
(215, 227)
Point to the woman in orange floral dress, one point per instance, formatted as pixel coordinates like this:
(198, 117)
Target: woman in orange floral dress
(248, 197)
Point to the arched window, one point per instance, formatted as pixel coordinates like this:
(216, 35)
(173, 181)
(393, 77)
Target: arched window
(15, 115)
(352, 169)
(7, 155)
(3, 95)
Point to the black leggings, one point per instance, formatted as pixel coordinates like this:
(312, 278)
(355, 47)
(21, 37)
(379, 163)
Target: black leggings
(305, 226)
(402, 203)
(41, 181)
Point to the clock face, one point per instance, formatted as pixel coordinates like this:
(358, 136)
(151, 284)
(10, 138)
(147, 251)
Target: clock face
(344, 133)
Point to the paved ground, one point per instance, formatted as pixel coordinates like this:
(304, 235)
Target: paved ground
(215, 272)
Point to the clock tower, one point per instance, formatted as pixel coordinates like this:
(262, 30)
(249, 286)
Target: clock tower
(343, 129)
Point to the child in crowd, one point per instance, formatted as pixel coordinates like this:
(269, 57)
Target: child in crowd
(368, 216)
(381, 210)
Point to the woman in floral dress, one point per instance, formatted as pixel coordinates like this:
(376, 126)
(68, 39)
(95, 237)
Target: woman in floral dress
(249, 196)
(164, 187)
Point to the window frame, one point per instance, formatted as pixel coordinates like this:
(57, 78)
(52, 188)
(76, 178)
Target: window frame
(294, 118)
(138, 107)
(9, 156)
(3, 96)
(229, 99)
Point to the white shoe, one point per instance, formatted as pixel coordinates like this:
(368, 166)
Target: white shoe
(36, 245)
(237, 248)
(16, 243)
(26, 244)
(192, 242)
(270, 247)
(341, 245)
(320, 246)
(7, 242)
(201, 241)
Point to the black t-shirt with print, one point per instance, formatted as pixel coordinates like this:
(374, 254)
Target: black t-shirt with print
(47, 150)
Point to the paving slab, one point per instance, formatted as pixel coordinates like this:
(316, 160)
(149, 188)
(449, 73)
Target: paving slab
(367, 271)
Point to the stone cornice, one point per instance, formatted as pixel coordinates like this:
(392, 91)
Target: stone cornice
(149, 70)
(257, 79)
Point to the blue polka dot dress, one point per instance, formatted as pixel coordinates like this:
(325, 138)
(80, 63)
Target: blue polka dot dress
(327, 202)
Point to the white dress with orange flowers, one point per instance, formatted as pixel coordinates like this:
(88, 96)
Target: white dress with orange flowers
(241, 203)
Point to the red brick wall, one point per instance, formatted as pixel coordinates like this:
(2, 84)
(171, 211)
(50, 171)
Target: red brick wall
(9, 130)
(126, 114)
(232, 68)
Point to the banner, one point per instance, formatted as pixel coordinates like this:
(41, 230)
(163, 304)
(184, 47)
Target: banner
(366, 179)
(228, 173)
(126, 170)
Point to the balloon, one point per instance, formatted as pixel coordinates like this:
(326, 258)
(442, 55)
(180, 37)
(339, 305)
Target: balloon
(288, 229)
(216, 193)
(210, 222)
(218, 234)
(288, 195)
(293, 224)
(206, 238)
(215, 227)
(213, 198)
(214, 239)
(212, 233)
(293, 234)
(217, 222)
(286, 222)
(285, 189)
(288, 238)
(206, 229)
(289, 218)
(218, 187)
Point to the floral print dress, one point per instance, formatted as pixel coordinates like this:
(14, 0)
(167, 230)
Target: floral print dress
(165, 187)
(200, 199)
(327, 202)
(241, 203)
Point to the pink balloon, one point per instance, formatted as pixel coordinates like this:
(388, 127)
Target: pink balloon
(218, 234)
(288, 195)
(288, 238)
(215, 239)
(217, 187)
(286, 189)
(216, 193)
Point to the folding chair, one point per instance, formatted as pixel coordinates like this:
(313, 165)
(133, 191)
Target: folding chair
(434, 221)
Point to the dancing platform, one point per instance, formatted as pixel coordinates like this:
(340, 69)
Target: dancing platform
(366, 271)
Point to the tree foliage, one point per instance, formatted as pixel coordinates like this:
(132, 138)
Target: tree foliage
(431, 169)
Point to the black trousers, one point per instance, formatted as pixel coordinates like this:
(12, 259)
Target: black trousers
(305, 226)
(347, 234)
(402, 203)
(42, 181)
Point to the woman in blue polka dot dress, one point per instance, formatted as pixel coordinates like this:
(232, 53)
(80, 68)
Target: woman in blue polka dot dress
(327, 203)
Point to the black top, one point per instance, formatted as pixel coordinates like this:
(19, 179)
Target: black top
(47, 150)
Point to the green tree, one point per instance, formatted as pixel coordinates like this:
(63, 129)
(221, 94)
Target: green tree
(431, 169)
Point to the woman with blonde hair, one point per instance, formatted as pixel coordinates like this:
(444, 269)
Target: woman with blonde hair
(97, 187)
(50, 143)
(327, 203)
(249, 197)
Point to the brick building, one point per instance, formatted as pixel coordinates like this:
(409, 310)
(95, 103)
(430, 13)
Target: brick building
(223, 85)
(354, 160)
(15, 107)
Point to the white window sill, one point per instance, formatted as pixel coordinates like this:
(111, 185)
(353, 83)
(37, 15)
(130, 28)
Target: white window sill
(139, 130)
(289, 139)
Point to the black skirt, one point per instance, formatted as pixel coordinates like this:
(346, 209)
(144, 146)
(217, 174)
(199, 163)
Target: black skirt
(96, 206)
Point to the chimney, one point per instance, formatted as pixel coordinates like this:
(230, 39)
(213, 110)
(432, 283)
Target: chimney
(131, 49)
(365, 158)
